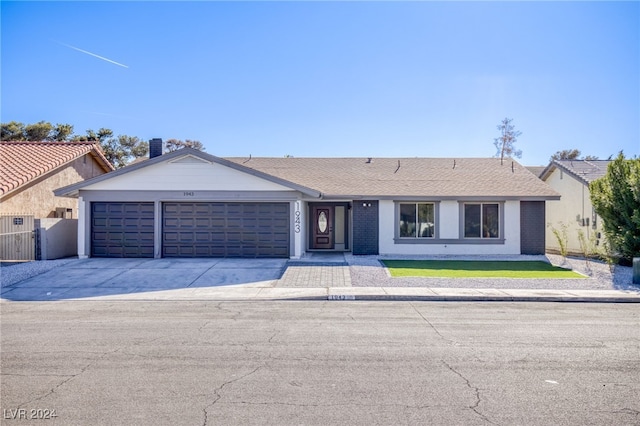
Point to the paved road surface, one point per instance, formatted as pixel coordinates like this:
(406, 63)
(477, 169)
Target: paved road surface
(319, 363)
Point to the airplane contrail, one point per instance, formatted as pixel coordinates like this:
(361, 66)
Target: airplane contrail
(94, 55)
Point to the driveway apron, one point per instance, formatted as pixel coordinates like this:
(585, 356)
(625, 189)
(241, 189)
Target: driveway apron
(106, 277)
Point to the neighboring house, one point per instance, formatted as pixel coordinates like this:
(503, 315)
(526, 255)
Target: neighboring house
(30, 171)
(188, 203)
(536, 170)
(574, 211)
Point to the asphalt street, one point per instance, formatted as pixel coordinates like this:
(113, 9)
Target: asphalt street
(319, 362)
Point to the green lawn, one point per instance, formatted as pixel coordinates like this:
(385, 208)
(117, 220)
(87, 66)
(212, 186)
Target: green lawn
(477, 269)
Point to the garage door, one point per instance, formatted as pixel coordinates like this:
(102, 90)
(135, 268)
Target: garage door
(225, 230)
(122, 229)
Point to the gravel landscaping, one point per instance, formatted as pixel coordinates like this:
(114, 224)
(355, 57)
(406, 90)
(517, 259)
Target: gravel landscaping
(367, 271)
(15, 272)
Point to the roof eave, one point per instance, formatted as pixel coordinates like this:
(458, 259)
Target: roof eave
(557, 165)
(548, 197)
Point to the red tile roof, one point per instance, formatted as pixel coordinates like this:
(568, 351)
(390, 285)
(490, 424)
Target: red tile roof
(21, 162)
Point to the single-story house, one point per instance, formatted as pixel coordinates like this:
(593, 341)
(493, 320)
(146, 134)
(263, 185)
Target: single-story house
(574, 211)
(29, 172)
(188, 203)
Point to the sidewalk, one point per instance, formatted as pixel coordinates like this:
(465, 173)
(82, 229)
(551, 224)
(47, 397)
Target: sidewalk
(258, 292)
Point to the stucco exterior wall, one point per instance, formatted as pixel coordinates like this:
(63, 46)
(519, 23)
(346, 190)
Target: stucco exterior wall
(449, 225)
(573, 204)
(37, 197)
(58, 238)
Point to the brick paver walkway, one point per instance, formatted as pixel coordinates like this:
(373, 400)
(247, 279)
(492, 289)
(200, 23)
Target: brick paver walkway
(315, 276)
(317, 270)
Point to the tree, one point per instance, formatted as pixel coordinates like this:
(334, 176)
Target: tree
(176, 144)
(119, 151)
(91, 136)
(571, 154)
(39, 131)
(42, 131)
(504, 143)
(12, 131)
(616, 198)
(62, 132)
(566, 154)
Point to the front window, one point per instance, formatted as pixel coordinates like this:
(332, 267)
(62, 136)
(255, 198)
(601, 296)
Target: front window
(481, 220)
(417, 220)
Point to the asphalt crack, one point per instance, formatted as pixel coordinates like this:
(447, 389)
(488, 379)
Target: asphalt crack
(629, 411)
(235, 313)
(273, 336)
(68, 379)
(218, 394)
(476, 391)
(206, 323)
(433, 327)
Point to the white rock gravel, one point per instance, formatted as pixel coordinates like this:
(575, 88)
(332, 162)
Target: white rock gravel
(14, 273)
(367, 271)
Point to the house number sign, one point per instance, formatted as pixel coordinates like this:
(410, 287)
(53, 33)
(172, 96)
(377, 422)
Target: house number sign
(189, 194)
(297, 218)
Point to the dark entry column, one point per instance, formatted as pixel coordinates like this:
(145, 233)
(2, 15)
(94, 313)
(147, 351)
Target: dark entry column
(365, 227)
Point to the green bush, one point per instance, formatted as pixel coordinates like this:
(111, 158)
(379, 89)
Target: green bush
(616, 198)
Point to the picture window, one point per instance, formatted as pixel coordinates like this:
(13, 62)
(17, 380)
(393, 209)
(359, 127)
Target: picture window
(417, 220)
(482, 220)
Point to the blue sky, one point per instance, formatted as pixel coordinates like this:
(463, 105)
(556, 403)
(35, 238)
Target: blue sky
(336, 79)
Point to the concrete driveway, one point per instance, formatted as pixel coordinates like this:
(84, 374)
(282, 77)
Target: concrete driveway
(89, 278)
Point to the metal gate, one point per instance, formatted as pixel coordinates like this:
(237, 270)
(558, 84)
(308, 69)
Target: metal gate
(17, 240)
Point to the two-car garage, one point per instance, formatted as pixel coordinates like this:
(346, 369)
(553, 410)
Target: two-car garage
(191, 229)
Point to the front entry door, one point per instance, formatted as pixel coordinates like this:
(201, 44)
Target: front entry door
(322, 227)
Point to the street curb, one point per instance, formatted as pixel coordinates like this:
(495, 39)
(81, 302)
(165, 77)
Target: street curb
(555, 299)
(350, 298)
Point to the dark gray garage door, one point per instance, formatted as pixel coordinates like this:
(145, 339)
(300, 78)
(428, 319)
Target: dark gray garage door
(122, 229)
(225, 230)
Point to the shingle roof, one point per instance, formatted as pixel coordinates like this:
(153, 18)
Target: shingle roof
(584, 170)
(536, 170)
(356, 178)
(21, 162)
(405, 177)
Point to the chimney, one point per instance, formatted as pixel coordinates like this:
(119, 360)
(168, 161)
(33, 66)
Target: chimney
(155, 147)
